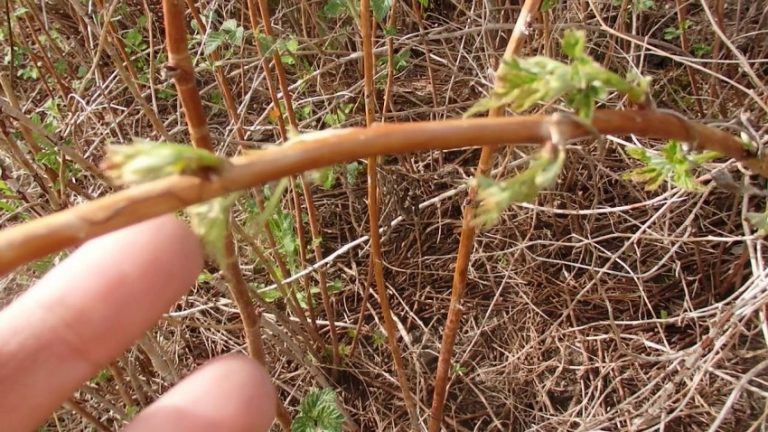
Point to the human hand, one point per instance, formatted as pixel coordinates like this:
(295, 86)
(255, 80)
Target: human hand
(100, 300)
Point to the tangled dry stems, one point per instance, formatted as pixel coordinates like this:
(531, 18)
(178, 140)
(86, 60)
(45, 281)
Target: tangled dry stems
(601, 307)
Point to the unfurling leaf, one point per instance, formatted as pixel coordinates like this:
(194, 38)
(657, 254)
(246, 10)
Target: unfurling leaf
(210, 221)
(496, 197)
(146, 161)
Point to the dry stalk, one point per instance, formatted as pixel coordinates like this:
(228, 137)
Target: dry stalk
(467, 239)
(366, 26)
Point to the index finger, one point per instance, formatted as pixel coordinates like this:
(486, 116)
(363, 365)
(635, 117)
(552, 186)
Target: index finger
(86, 311)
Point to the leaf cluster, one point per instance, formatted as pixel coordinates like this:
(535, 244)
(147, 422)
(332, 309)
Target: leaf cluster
(524, 82)
(318, 413)
(672, 164)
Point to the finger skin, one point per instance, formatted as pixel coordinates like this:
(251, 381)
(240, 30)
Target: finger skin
(87, 311)
(232, 393)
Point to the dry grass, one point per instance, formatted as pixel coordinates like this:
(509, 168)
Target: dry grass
(601, 307)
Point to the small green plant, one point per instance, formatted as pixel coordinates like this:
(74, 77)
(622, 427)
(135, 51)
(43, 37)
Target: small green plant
(9, 204)
(271, 294)
(547, 5)
(672, 164)
(353, 170)
(339, 116)
(701, 50)
(229, 35)
(134, 40)
(286, 46)
(318, 413)
(131, 411)
(101, 377)
(672, 33)
(281, 223)
(638, 5)
(379, 338)
(399, 64)
(457, 369)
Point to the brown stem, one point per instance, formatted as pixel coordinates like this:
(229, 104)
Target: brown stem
(115, 36)
(389, 87)
(221, 78)
(467, 239)
(181, 70)
(35, 239)
(427, 54)
(366, 26)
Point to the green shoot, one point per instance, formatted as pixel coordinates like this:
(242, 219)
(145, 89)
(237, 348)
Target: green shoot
(528, 81)
(318, 413)
(524, 187)
(146, 161)
(457, 369)
(671, 164)
(701, 50)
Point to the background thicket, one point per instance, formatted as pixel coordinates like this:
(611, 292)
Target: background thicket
(601, 306)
